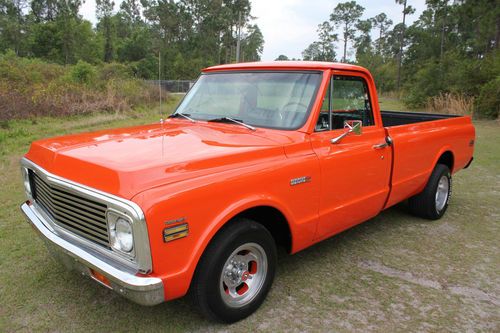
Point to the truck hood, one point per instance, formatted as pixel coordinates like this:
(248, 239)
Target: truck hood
(127, 161)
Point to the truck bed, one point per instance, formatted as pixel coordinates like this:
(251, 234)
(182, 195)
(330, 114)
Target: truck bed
(396, 118)
(418, 140)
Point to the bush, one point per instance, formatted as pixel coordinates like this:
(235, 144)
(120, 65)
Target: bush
(35, 88)
(82, 72)
(488, 102)
(448, 103)
(146, 68)
(115, 71)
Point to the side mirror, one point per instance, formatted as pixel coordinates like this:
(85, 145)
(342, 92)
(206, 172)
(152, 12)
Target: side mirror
(352, 126)
(355, 125)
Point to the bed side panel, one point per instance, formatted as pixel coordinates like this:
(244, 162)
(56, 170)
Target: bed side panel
(417, 148)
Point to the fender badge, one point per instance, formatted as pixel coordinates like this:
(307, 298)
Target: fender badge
(300, 180)
(175, 232)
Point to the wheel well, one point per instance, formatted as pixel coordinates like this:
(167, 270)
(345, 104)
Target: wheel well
(447, 159)
(274, 221)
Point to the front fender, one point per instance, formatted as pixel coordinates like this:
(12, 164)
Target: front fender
(206, 205)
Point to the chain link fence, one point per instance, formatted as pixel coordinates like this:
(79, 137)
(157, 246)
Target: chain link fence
(173, 86)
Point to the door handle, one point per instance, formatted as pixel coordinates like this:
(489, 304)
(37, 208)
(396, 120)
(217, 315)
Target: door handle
(381, 145)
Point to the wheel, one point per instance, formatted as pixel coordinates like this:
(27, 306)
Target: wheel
(432, 202)
(236, 272)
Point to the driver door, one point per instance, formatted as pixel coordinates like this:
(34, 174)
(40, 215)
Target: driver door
(355, 172)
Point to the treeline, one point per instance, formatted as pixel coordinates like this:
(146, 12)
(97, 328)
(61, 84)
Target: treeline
(452, 49)
(189, 34)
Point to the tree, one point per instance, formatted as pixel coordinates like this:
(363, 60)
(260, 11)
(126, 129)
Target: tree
(252, 44)
(326, 41)
(346, 15)
(12, 25)
(58, 24)
(312, 52)
(363, 42)
(407, 10)
(104, 11)
(131, 10)
(282, 57)
(382, 23)
(478, 24)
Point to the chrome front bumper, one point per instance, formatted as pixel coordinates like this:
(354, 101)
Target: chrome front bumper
(141, 290)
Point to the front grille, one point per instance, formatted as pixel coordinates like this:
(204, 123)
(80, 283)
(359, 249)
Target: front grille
(75, 213)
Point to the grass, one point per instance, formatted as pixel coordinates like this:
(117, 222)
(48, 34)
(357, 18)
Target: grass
(392, 273)
(389, 103)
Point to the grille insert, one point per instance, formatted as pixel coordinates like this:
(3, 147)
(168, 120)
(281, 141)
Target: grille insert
(75, 213)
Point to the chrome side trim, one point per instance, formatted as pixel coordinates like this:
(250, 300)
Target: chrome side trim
(142, 290)
(142, 261)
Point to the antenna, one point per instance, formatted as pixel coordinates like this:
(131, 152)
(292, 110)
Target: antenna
(159, 84)
(238, 43)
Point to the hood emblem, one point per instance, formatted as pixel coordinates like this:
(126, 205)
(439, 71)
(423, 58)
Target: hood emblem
(300, 180)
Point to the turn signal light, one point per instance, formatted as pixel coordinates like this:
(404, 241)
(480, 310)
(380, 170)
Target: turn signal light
(176, 232)
(100, 278)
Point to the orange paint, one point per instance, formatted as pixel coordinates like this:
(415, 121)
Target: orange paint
(207, 173)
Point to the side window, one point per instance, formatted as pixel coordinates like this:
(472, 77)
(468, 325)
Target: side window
(351, 101)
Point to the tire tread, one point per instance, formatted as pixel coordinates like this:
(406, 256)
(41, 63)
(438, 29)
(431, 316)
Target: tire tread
(424, 204)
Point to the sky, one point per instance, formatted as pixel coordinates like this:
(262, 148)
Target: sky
(290, 26)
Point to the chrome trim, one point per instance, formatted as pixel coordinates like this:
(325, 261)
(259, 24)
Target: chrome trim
(142, 290)
(142, 261)
(115, 215)
(381, 145)
(237, 273)
(442, 193)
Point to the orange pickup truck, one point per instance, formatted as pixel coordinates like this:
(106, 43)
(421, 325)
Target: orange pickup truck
(256, 156)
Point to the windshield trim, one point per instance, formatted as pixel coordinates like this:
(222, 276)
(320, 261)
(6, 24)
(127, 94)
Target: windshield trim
(300, 71)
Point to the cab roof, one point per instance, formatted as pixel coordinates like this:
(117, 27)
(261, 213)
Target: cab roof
(286, 65)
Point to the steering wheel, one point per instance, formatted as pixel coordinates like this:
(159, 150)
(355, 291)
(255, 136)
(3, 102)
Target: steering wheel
(280, 112)
(294, 103)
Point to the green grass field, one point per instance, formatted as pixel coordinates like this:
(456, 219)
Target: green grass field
(392, 273)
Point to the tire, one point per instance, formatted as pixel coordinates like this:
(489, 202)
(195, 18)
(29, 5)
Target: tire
(235, 272)
(433, 201)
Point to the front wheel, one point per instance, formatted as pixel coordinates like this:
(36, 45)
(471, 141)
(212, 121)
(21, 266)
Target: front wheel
(433, 201)
(236, 272)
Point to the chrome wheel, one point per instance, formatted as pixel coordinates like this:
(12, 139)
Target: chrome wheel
(243, 275)
(442, 193)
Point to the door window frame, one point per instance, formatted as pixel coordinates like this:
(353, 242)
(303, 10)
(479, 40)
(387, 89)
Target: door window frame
(330, 88)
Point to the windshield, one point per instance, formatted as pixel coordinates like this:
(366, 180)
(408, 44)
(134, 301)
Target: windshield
(279, 100)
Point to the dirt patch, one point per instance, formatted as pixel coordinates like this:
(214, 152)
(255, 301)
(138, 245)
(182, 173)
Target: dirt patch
(474, 293)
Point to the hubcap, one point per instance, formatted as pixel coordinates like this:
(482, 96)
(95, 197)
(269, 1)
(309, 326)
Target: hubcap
(243, 275)
(442, 193)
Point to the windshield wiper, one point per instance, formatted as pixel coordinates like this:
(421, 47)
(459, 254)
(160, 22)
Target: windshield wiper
(236, 121)
(184, 115)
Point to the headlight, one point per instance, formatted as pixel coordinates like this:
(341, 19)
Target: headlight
(124, 236)
(26, 181)
(121, 234)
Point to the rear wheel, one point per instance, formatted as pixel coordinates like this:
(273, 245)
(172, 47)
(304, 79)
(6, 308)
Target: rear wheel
(432, 202)
(236, 272)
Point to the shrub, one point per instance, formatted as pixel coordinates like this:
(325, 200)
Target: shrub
(82, 72)
(34, 88)
(488, 102)
(115, 71)
(449, 103)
